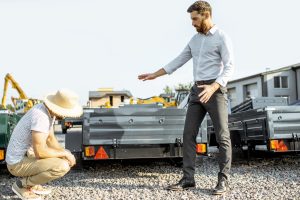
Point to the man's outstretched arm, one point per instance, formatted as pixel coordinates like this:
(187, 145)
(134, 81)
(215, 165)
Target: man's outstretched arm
(171, 67)
(151, 76)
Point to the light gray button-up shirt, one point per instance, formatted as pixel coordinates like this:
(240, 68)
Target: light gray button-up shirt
(212, 57)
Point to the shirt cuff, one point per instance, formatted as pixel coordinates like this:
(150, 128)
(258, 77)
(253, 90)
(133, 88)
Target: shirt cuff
(168, 69)
(221, 82)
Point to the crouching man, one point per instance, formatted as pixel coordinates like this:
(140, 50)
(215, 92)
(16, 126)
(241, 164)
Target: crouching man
(48, 160)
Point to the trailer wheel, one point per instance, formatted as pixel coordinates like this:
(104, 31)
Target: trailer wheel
(79, 161)
(248, 151)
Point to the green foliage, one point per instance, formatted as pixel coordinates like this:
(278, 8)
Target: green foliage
(168, 90)
(184, 86)
(180, 86)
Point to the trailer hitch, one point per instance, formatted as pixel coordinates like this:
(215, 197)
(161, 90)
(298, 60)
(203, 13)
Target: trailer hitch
(178, 142)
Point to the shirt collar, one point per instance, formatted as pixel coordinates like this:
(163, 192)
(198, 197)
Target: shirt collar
(48, 112)
(213, 30)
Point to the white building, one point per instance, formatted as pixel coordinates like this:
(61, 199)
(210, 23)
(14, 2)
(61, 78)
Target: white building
(282, 82)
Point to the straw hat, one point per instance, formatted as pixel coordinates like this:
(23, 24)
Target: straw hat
(64, 103)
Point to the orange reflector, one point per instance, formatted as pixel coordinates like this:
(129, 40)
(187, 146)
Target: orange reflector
(273, 144)
(201, 148)
(1, 154)
(89, 151)
(278, 145)
(101, 154)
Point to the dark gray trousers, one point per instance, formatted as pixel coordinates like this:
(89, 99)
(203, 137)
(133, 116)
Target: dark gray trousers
(217, 109)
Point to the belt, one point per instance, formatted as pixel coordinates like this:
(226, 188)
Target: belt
(206, 82)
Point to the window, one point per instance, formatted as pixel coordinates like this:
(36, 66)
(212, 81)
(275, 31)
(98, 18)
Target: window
(122, 99)
(111, 101)
(280, 82)
(276, 82)
(232, 96)
(284, 82)
(250, 90)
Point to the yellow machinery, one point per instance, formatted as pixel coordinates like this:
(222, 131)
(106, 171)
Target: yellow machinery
(166, 102)
(156, 100)
(21, 104)
(106, 105)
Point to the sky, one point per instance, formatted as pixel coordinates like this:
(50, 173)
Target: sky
(84, 45)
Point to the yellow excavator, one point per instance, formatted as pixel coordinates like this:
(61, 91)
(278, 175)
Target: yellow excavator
(165, 101)
(21, 104)
(156, 100)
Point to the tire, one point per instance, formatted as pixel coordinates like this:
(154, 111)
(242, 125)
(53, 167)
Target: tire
(79, 161)
(177, 162)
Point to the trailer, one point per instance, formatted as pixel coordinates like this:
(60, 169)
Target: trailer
(8, 121)
(132, 132)
(266, 123)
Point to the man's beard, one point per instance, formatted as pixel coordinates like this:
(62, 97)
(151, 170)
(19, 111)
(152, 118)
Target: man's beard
(203, 28)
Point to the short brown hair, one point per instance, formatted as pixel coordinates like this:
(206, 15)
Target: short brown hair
(201, 7)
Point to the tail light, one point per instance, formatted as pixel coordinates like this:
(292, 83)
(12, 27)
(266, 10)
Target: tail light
(1, 154)
(201, 148)
(89, 151)
(278, 145)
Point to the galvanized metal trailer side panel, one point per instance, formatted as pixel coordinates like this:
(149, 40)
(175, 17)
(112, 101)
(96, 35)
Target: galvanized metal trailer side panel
(8, 121)
(284, 126)
(133, 132)
(261, 126)
(133, 126)
(250, 125)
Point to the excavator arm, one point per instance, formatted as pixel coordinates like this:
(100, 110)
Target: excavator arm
(3, 102)
(22, 96)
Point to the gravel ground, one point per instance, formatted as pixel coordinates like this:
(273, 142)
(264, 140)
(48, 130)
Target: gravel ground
(261, 178)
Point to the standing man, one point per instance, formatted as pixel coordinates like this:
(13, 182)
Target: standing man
(48, 160)
(212, 55)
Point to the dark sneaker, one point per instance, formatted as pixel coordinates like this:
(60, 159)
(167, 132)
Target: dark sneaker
(183, 184)
(221, 188)
(24, 193)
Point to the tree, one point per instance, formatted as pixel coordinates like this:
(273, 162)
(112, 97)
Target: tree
(168, 90)
(184, 86)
